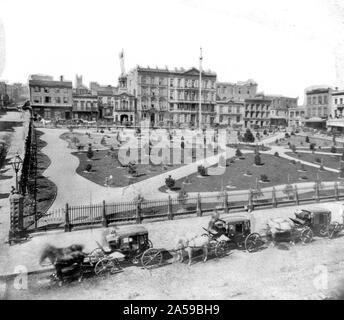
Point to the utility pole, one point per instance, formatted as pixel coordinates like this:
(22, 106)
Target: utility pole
(200, 91)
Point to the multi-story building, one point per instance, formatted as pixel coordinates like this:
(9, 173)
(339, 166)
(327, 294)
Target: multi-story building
(3, 93)
(335, 121)
(257, 112)
(296, 116)
(238, 91)
(85, 104)
(106, 102)
(172, 97)
(318, 106)
(230, 113)
(51, 99)
(279, 109)
(124, 111)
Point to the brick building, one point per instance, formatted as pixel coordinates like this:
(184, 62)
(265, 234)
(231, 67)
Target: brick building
(51, 99)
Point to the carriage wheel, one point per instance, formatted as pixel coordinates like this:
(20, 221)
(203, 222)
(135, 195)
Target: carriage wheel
(253, 242)
(306, 236)
(150, 244)
(221, 249)
(103, 266)
(116, 267)
(151, 257)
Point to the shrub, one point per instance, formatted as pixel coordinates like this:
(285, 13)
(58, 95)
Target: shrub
(292, 133)
(264, 178)
(293, 148)
(90, 152)
(333, 149)
(182, 196)
(170, 182)
(276, 154)
(287, 135)
(276, 141)
(312, 146)
(318, 160)
(248, 173)
(202, 171)
(307, 139)
(257, 160)
(132, 168)
(238, 153)
(88, 167)
(248, 136)
(265, 132)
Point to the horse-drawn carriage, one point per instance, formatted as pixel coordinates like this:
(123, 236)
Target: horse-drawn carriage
(237, 230)
(319, 221)
(125, 244)
(131, 243)
(281, 230)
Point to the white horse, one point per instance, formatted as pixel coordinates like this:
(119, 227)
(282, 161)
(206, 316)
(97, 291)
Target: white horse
(191, 243)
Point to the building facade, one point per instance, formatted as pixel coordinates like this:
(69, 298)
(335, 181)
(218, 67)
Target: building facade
(51, 99)
(238, 91)
(335, 121)
(296, 116)
(85, 106)
(318, 106)
(3, 94)
(257, 112)
(166, 97)
(230, 113)
(279, 109)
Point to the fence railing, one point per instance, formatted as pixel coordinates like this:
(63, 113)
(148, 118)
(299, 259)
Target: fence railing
(104, 214)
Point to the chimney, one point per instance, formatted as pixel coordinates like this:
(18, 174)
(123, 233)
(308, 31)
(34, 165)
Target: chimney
(61, 78)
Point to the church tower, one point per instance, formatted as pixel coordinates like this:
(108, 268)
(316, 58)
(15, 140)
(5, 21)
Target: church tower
(122, 80)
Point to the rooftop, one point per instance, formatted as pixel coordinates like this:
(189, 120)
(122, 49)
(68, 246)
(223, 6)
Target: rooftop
(51, 83)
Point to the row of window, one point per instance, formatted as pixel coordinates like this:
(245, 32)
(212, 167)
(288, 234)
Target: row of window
(340, 100)
(312, 100)
(51, 90)
(47, 99)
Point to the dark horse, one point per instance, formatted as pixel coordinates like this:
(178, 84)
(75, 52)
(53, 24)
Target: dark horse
(67, 261)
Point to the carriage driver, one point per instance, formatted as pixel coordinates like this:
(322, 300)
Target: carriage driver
(215, 224)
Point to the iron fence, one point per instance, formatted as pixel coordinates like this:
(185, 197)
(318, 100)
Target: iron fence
(103, 214)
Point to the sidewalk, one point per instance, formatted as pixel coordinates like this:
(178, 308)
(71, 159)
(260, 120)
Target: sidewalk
(163, 235)
(16, 146)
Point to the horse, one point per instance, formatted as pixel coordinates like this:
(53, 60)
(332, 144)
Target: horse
(62, 258)
(190, 244)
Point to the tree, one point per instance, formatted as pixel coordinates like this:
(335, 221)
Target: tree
(182, 197)
(90, 152)
(248, 136)
(307, 139)
(170, 182)
(289, 191)
(202, 171)
(333, 149)
(88, 167)
(257, 160)
(238, 153)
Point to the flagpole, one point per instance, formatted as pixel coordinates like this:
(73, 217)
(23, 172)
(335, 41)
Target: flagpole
(200, 91)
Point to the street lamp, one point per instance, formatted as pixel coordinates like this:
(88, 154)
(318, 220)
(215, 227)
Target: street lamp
(16, 165)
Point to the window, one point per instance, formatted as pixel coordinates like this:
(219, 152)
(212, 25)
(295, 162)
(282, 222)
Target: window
(325, 100)
(336, 101)
(46, 90)
(36, 99)
(47, 100)
(320, 99)
(37, 89)
(57, 100)
(341, 100)
(65, 99)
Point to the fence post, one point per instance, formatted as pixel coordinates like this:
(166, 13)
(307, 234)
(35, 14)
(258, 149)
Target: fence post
(250, 206)
(317, 195)
(199, 206)
(138, 212)
(297, 201)
(68, 226)
(336, 193)
(274, 200)
(226, 210)
(105, 222)
(169, 208)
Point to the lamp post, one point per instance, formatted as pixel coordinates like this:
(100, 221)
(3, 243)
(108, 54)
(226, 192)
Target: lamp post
(16, 165)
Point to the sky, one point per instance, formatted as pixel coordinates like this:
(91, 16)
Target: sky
(284, 45)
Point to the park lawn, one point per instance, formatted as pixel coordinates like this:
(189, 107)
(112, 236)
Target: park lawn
(327, 160)
(277, 170)
(300, 142)
(103, 166)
